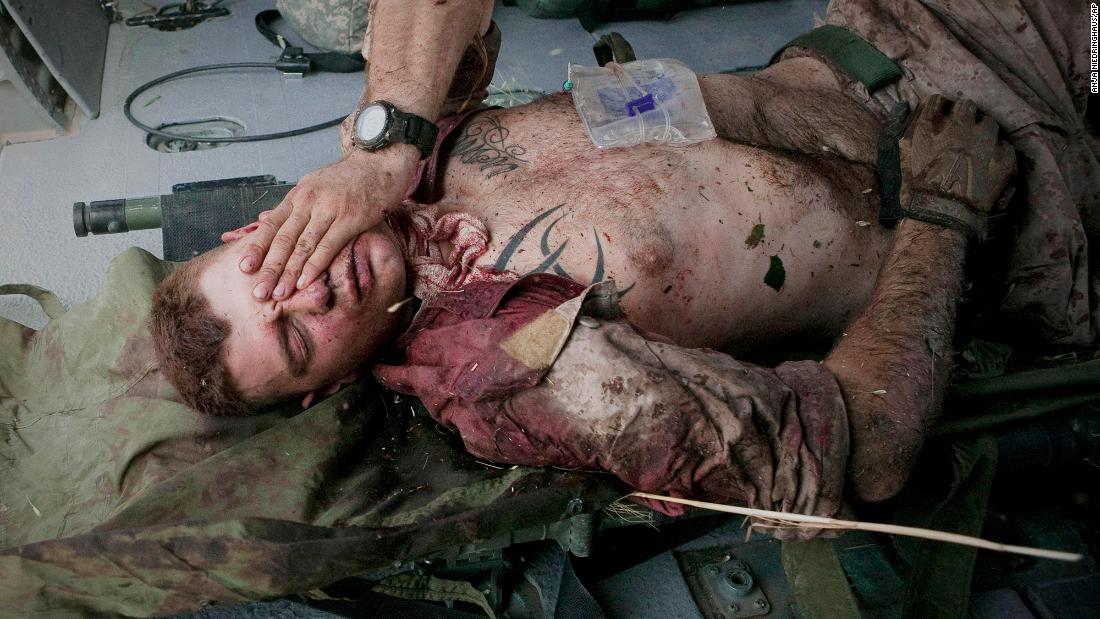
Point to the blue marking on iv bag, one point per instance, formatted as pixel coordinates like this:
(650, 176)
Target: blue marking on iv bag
(640, 105)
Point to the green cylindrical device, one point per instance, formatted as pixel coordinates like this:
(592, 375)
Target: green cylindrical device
(114, 216)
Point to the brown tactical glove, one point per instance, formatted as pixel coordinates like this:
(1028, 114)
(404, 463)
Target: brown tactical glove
(954, 166)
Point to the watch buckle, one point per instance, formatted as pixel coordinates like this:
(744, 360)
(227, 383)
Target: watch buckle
(407, 130)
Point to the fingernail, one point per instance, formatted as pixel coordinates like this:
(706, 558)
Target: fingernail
(301, 281)
(260, 291)
(280, 290)
(246, 265)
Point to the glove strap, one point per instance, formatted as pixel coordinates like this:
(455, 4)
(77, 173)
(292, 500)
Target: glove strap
(946, 212)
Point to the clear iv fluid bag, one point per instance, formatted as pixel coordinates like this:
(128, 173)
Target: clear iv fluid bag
(654, 101)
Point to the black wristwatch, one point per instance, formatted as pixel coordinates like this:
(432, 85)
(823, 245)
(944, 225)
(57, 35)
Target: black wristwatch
(380, 124)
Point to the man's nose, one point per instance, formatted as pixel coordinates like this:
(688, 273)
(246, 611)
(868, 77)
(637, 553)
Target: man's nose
(313, 299)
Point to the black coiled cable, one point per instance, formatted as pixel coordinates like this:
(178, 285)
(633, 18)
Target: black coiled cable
(215, 67)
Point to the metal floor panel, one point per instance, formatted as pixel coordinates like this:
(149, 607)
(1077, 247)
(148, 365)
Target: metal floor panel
(71, 41)
(106, 157)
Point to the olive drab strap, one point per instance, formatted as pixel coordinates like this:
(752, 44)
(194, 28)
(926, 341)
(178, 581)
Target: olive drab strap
(46, 300)
(858, 58)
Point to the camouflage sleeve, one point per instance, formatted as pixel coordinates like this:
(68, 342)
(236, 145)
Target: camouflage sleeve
(663, 418)
(333, 25)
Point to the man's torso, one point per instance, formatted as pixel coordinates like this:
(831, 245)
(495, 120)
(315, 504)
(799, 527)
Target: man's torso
(698, 239)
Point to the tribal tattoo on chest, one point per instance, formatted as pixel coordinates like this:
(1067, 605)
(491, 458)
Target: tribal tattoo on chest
(551, 257)
(484, 143)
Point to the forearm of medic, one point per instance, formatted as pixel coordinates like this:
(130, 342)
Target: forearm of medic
(413, 48)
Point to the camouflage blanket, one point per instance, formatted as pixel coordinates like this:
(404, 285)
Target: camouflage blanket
(1025, 63)
(117, 500)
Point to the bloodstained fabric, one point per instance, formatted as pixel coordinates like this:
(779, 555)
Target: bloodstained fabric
(1023, 62)
(531, 373)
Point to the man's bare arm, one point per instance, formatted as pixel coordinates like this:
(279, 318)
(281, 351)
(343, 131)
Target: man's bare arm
(792, 106)
(402, 35)
(894, 361)
(415, 47)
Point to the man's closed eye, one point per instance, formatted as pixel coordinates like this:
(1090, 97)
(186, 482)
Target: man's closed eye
(296, 347)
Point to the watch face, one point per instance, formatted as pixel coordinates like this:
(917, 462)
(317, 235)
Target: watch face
(371, 123)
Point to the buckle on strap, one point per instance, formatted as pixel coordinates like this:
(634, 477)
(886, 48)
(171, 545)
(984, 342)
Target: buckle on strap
(416, 131)
(293, 62)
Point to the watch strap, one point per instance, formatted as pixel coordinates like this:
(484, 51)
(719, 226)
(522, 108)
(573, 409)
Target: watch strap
(946, 212)
(413, 129)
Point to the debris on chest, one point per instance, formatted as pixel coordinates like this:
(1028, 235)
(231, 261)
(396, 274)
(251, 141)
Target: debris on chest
(755, 236)
(776, 274)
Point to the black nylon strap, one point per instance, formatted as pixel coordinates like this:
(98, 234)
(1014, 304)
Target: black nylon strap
(946, 212)
(420, 132)
(326, 62)
(888, 164)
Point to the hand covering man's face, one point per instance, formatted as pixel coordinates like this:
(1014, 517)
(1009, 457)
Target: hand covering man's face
(318, 336)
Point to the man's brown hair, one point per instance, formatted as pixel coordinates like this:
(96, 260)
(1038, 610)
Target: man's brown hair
(190, 343)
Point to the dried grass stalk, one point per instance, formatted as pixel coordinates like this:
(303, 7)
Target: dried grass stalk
(819, 522)
(630, 513)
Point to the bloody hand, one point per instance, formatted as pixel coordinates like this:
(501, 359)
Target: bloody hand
(328, 208)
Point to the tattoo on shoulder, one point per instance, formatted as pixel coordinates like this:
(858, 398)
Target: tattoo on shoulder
(551, 256)
(484, 143)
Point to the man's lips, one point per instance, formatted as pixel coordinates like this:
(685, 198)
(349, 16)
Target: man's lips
(353, 265)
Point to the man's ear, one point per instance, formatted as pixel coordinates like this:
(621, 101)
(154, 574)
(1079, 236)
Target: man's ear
(330, 390)
(233, 235)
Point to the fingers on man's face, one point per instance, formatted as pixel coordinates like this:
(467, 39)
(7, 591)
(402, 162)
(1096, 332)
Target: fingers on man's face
(303, 249)
(260, 239)
(283, 235)
(330, 244)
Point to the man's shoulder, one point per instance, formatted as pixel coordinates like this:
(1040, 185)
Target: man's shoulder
(524, 296)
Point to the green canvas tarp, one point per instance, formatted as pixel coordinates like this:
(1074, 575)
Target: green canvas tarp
(115, 499)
